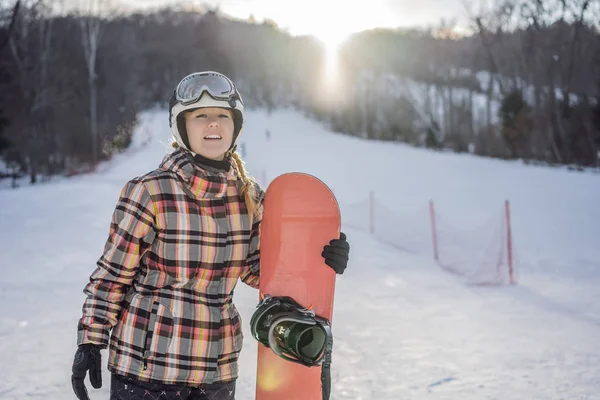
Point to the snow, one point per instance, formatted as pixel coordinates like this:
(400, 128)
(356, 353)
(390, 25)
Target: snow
(404, 327)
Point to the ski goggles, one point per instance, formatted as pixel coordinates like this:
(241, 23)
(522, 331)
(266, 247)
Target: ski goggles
(217, 85)
(292, 332)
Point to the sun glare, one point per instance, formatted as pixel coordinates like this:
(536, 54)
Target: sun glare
(331, 22)
(332, 42)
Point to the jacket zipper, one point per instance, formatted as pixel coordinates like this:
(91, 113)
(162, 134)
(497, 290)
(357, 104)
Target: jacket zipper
(149, 332)
(146, 350)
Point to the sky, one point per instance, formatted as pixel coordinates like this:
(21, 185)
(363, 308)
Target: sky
(318, 17)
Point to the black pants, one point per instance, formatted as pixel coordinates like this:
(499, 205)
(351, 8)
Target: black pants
(124, 388)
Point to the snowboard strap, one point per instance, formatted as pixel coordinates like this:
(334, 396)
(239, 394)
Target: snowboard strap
(326, 366)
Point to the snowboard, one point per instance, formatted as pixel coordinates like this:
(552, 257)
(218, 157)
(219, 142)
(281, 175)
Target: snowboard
(300, 216)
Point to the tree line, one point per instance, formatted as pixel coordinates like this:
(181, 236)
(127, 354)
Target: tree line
(525, 84)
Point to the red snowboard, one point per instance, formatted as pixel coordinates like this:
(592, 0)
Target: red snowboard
(301, 215)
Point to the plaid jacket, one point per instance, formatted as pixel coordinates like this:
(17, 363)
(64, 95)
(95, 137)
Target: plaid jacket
(179, 240)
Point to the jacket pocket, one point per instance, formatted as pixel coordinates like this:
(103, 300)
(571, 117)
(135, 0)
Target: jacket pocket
(159, 333)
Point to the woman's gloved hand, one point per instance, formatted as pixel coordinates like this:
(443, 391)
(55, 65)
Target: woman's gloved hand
(87, 358)
(336, 254)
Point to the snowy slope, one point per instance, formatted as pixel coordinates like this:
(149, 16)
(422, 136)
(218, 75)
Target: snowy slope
(404, 328)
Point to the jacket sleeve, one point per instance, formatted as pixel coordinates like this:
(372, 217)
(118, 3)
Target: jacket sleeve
(130, 236)
(251, 273)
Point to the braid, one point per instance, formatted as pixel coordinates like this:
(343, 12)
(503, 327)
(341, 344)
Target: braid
(248, 188)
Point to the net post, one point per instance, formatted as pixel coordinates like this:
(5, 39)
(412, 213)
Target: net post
(509, 247)
(433, 230)
(372, 212)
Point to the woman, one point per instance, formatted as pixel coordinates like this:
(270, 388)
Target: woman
(161, 296)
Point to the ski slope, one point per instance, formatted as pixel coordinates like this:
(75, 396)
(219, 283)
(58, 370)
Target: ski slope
(404, 328)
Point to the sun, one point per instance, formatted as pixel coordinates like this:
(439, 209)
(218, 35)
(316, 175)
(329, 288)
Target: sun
(332, 41)
(323, 20)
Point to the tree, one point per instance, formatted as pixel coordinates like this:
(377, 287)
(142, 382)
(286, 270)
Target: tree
(11, 24)
(92, 27)
(516, 122)
(31, 50)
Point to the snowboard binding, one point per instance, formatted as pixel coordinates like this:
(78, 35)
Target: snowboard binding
(293, 332)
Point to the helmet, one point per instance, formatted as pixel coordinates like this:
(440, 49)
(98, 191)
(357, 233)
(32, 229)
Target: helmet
(200, 90)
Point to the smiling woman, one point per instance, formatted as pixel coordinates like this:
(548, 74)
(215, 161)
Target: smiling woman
(210, 131)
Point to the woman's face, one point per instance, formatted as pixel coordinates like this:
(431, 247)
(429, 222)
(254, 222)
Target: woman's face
(210, 131)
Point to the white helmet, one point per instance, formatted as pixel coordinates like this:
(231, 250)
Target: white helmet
(200, 90)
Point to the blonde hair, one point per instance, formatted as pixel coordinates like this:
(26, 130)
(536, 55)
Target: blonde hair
(248, 182)
(248, 187)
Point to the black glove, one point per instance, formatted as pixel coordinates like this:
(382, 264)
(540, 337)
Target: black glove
(87, 358)
(336, 254)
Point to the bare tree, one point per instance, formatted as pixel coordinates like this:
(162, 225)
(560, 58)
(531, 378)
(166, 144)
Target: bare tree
(91, 15)
(90, 25)
(31, 50)
(11, 24)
